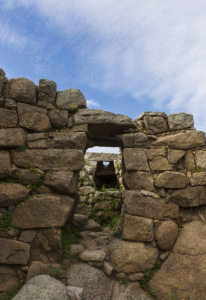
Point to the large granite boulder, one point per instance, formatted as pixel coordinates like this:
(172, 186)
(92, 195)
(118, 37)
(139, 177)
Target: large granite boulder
(175, 155)
(171, 180)
(8, 118)
(21, 89)
(14, 252)
(33, 118)
(63, 182)
(5, 163)
(131, 257)
(200, 159)
(58, 118)
(42, 287)
(103, 122)
(12, 137)
(182, 141)
(155, 124)
(189, 197)
(135, 140)
(37, 267)
(70, 140)
(158, 160)
(54, 159)
(180, 121)
(166, 234)
(198, 179)
(37, 141)
(43, 211)
(152, 114)
(135, 160)
(27, 177)
(46, 92)
(12, 193)
(185, 264)
(138, 181)
(70, 98)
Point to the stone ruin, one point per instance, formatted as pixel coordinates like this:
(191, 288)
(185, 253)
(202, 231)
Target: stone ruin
(45, 179)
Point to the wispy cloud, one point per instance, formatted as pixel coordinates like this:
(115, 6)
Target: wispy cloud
(92, 103)
(147, 49)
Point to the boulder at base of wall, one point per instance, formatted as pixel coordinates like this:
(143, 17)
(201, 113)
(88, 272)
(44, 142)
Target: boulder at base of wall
(166, 235)
(8, 277)
(103, 122)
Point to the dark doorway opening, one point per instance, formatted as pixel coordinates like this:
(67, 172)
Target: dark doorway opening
(105, 175)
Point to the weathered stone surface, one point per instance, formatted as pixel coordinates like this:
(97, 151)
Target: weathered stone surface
(12, 137)
(55, 159)
(155, 124)
(80, 221)
(13, 252)
(75, 293)
(107, 140)
(152, 114)
(136, 140)
(12, 193)
(58, 118)
(136, 277)
(148, 207)
(44, 211)
(137, 229)
(69, 98)
(192, 196)
(160, 163)
(47, 92)
(63, 182)
(5, 163)
(75, 249)
(200, 159)
(103, 205)
(8, 118)
(103, 122)
(85, 190)
(70, 140)
(33, 118)
(95, 283)
(37, 141)
(182, 141)
(131, 257)
(135, 160)
(175, 155)
(166, 234)
(93, 156)
(93, 255)
(92, 226)
(8, 277)
(189, 163)
(27, 236)
(22, 89)
(128, 140)
(185, 265)
(171, 180)
(3, 79)
(37, 268)
(198, 179)
(9, 103)
(42, 287)
(108, 268)
(147, 193)
(180, 121)
(46, 246)
(26, 177)
(131, 291)
(79, 128)
(84, 210)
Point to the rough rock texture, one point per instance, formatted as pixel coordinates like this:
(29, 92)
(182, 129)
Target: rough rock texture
(135, 160)
(3, 79)
(59, 118)
(175, 155)
(75, 293)
(12, 137)
(67, 99)
(166, 235)
(42, 287)
(160, 163)
(27, 236)
(93, 255)
(182, 141)
(155, 124)
(47, 92)
(189, 163)
(5, 163)
(138, 181)
(180, 121)
(131, 291)
(21, 89)
(95, 283)
(37, 141)
(33, 118)
(80, 221)
(200, 159)
(37, 268)
(8, 277)
(103, 122)
(198, 179)
(85, 190)
(8, 118)
(26, 177)
(148, 207)
(184, 265)
(171, 180)
(92, 226)
(13, 252)
(70, 140)
(152, 114)
(55, 159)
(12, 193)
(63, 182)
(137, 229)
(191, 196)
(75, 249)
(131, 257)
(136, 140)
(32, 212)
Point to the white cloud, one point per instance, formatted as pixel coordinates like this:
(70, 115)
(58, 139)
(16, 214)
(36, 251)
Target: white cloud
(92, 103)
(104, 150)
(148, 49)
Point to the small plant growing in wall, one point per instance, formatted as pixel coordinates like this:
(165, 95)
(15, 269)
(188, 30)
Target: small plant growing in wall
(137, 129)
(22, 148)
(176, 167)
(60, 107)
(165, 149)
(74, 108)
(32, 170)
(198, 169)
(90, 143)
(6, 223)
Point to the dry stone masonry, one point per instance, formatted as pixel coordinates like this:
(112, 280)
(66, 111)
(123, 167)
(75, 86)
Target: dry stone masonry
(47, 180)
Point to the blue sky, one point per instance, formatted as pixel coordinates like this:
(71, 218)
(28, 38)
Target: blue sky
(125, 56)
